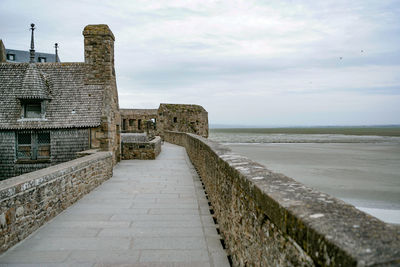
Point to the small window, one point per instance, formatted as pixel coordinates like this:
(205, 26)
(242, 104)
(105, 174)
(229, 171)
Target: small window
(175, 119)
(131, 123)
(24, 150)
(43, 145)
(42, 59)
(11, 57)
(139, 124)
(33, 145)
(124, 124)
(33, 110)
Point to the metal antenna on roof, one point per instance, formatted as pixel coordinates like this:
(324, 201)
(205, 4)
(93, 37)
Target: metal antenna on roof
(32, 50)
(56, 47)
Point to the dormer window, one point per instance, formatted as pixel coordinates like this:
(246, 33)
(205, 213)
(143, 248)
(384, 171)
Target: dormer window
(42, 59)
(33, 109)
(11, 57)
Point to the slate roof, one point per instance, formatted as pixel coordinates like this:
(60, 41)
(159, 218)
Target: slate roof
(22, 56)
(35, 84)
(72, 103)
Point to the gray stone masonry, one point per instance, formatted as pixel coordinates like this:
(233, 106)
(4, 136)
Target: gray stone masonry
(183, 118)
(150, 213)
(168, 117)
(132, 149)
(2, 52)
(99, 55)
(269, 219)
(30, 200)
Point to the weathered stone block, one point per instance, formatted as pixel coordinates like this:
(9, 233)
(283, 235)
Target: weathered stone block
(140, 150)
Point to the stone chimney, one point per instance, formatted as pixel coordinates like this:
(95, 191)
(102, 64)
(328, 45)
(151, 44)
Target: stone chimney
(99, 55)
(2, 52)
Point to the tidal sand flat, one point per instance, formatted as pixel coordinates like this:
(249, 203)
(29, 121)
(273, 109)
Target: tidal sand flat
(361, 170)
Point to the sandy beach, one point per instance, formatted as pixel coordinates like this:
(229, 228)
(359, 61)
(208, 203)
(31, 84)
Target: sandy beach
(366, 175)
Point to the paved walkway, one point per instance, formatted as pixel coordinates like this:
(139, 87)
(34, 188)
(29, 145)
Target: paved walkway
(150, 213)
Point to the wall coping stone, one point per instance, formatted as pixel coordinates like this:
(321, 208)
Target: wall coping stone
(134, 138)
(98, 29)
(87, 152)
(17, 184)
(303, 212)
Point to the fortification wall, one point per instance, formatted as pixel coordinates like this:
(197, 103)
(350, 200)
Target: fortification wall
(168, 117)
(134, 120)
(183, 118)
(141, 150)
(29, 200)
(268, 219)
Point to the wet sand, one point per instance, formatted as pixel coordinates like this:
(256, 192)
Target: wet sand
(366, 175)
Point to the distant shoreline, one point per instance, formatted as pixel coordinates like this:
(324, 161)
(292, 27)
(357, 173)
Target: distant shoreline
(351, 130)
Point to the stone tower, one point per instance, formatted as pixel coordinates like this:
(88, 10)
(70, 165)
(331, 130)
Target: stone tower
(2, 52)
(99, 55)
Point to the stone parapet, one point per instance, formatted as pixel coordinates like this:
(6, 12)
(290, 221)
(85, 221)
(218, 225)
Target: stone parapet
(269, 219)
(134, 137)
(140, 149)
(29, 200)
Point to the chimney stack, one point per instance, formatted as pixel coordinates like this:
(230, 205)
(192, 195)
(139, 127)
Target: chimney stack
(2, 52)
(99, 53)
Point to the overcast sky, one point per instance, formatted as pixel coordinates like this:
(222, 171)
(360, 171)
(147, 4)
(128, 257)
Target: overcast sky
(249, 62)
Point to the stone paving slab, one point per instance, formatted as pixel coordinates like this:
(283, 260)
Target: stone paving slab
(150, 213)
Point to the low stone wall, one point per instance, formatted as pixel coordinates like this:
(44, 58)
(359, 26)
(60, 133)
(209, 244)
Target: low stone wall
(29, 200)
(140, 150)
(268, 219)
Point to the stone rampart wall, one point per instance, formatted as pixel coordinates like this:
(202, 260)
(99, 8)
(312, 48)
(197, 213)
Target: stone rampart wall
(29, 200)
(183, 118)
(268, 219)
(141, 150)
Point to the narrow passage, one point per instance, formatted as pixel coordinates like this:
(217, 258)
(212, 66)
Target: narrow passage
(150, 213)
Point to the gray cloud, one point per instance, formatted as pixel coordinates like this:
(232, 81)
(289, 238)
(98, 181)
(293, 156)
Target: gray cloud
(248, 62)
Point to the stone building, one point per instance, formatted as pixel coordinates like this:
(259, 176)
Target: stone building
(135, 120)
(20, 56)
(50, 111)
(168, 117)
